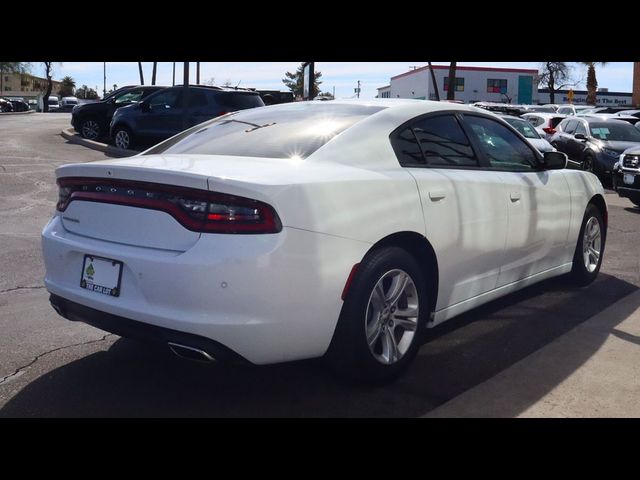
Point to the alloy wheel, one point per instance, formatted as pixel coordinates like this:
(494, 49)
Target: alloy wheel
(591, 244)
(392, 316)
(122, 139)
(90, 129)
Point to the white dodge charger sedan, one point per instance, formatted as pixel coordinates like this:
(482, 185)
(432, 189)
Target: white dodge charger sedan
(341, 229)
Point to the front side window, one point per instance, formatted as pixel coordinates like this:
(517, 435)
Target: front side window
(503, 149)
(570, 126)
(580, 129)
(131, 96)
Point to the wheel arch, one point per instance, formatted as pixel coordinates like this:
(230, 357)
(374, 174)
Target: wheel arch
(598, 201)
(422, 250)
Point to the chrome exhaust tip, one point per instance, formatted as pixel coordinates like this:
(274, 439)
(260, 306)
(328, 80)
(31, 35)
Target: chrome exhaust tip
(190, 353)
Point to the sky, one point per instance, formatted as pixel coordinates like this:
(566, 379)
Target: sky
(341, 76)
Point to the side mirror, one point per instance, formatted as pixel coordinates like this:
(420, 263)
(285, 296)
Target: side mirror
(554, 161)
(580, 136)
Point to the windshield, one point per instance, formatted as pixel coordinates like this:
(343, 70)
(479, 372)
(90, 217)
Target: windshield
(292, 130)
(53, 101)
(615, 131)
(525, 128)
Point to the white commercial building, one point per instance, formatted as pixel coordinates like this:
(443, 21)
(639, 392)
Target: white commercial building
(473, 84)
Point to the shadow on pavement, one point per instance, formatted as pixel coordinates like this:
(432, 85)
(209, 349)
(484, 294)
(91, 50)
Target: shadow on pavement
(132, 379)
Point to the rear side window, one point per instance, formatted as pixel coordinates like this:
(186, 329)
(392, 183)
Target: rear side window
(292, 130)
(197, 98)
(440, 140)
(555, 121)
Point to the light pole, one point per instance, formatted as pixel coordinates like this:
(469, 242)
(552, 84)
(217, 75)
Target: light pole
(104, 86)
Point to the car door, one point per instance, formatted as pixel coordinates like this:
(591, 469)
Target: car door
(465, 217)
(575, 147)
(538, 201)
(565, 135)
(163, 118)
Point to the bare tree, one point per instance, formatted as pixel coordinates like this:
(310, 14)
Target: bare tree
(451, 87)
(48, 71)
(211, 81)
(433, 79)
(555, 76)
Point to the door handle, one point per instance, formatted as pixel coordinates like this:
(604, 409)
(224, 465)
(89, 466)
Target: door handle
(515, 196)
(436, 195)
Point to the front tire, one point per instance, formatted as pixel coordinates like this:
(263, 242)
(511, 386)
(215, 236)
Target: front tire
(382, 319)
(587, 258)
(122, 138)
(588, 165)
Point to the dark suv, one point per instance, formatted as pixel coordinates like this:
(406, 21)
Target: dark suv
(162, 115)
(91, 120)
(594, 142)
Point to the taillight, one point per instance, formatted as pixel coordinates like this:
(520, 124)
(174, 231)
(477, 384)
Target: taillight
(196, 210)
(549, 130)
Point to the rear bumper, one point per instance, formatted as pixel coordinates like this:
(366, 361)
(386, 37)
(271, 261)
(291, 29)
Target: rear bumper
(128, 328)
(269, 298)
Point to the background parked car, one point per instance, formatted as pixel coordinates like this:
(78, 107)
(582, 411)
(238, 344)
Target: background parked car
(529, 132)
(544, 123)
(5, 106)
(91, 120)
(595, 143)
(67, 104)
(573, 109)
(19, 105)
(54, 103)
(626, 175)
(161, 115)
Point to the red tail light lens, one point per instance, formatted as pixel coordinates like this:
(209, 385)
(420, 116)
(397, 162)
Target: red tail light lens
(549, 130)
(196, 210)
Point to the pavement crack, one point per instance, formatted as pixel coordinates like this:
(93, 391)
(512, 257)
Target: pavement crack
(18, 370)
(28, 287)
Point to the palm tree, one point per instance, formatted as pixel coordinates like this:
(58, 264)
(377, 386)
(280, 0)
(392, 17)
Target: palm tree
(451, 87)
(141, 74)
(153, 73)
(68, 86)
(592, 82)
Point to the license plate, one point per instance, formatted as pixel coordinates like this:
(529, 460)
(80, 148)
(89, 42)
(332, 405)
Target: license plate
(101, 275)
(628, 179)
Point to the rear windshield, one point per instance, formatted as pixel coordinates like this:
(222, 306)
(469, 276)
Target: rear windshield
(555, 121)
(292, 130)
(239, 101)
(543, 109)
(615, 131)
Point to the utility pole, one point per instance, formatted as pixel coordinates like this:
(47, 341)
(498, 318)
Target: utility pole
(198, 73)
(358, 90)
(104, 87)
(174, 74)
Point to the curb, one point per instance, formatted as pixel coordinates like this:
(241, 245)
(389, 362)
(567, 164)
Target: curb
(18, 113)
(110, 150)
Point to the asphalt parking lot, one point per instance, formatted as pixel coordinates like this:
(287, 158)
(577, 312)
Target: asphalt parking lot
(50, 367)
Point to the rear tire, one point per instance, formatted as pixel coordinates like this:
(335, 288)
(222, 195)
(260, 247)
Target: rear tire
(382, 320)
(90, 129)
(587, 258)
(123, 138)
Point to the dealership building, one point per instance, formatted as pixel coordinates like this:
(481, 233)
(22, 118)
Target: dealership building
(472, 84)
